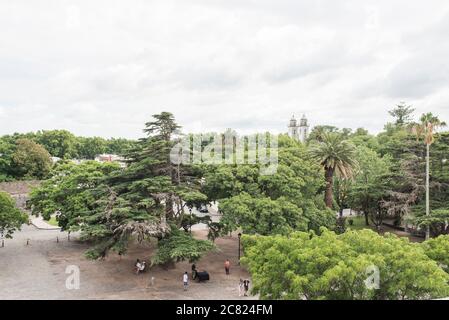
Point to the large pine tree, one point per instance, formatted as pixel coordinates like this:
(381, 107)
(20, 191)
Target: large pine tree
(147, 199)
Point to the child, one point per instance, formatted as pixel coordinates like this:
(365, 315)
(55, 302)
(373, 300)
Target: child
(186, 281)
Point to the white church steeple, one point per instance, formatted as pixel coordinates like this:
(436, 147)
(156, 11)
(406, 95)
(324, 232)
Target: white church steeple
(303, 129)
(293, 128)
(299, 132)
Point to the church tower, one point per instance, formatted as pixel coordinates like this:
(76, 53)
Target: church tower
(293, 129)
(298, 131)
(303, 129)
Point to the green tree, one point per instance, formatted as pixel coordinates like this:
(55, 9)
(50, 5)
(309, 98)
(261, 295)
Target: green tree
(120, 146)
(180, 246)
(371, 183)
(278, 203)
(68, 192)
(342, 192)
(402, 113)
(262, 215)
(146, 200)
(436, 222)
(11, 218)
(6, 151)
(336, 267)
(437, 249)
(318, 133)
(89, 148)
(425, 130)
(30, 160)
(336, 156)
(59, 143)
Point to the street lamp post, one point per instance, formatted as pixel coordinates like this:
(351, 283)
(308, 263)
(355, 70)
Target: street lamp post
(240, 237)
(191, 219)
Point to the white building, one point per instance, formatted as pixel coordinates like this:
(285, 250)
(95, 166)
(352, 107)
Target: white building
(298, 131)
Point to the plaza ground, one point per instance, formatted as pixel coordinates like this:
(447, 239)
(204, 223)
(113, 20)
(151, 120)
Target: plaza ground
(38, 271)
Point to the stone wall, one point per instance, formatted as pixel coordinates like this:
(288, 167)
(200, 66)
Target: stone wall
(19, 190)
(18, 187)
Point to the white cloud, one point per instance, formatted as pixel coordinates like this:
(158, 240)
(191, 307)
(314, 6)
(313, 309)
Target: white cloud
(104, 67)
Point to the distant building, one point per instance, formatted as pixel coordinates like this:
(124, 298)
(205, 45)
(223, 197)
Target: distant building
(111, 158)
(298, 130)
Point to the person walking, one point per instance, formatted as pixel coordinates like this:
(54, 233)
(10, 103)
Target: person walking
(185, 280)
(241, 287)
(228, 267)
(246, 287)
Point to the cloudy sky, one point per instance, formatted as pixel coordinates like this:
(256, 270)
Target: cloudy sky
(104, 67)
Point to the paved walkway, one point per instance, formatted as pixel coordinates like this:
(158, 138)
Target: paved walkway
(38, 271)
(39, 223)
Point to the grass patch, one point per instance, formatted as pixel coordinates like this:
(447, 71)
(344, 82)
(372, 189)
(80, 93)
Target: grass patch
(358, 224)
(53, 222)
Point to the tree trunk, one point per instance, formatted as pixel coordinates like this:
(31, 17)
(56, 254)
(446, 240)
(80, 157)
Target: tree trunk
(366, 211)
(428, 188)
(329, 194)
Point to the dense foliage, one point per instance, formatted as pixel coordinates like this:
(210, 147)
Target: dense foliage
(331, 266)
(337, 157)
(112, 206)
(16, 163)
(30, 160)
(68, 191)
(278, 203)
(11, 218)
(295, 245)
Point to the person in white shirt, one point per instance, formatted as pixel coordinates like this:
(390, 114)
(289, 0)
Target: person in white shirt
(140, 266)
(186, 280)
(241, 287)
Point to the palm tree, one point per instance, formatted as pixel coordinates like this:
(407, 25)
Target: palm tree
(425, 130)
(336, 156)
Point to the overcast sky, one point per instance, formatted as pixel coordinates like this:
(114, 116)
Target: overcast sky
(104, 67)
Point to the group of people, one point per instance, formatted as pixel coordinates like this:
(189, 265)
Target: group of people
(141, 266)
(243, 284)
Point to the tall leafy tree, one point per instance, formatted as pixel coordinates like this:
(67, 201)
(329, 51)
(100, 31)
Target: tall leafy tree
(68, 192)
(30, 160)
(59, 143)
(145, 200)
(371, 183)
(278, 203)
(402, 113)
(337, 156)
